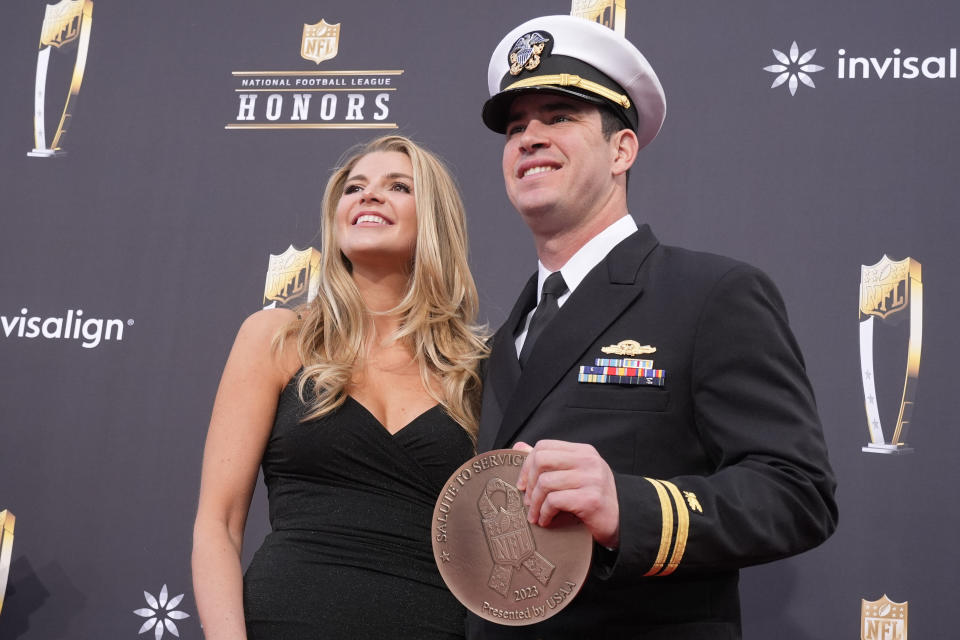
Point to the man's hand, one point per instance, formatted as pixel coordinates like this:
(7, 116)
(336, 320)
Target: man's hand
(560, 476)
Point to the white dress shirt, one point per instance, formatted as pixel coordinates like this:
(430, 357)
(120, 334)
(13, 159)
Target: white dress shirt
(580, 264)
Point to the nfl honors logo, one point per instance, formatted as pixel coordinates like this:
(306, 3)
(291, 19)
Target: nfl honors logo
(883, 619)
(313, 98)
(320, 41)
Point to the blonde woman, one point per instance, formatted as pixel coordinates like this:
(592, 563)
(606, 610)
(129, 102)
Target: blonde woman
(358, 408)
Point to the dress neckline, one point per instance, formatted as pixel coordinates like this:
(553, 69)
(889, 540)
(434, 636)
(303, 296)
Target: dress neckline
(373, 417)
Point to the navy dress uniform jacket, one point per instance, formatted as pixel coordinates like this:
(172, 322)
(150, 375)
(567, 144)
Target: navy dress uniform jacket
(723, 467)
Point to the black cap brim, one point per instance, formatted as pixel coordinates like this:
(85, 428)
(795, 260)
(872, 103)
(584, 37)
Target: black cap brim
(496, 110)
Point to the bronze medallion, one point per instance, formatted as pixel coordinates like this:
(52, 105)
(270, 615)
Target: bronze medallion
(497, 564)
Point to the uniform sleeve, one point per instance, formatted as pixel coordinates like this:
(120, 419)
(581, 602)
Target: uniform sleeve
(771, 493)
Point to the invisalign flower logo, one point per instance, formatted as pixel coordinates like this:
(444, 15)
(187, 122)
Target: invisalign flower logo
(161, 614)
(792, 68)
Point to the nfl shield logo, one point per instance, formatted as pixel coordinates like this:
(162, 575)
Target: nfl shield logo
(61, 23)
(293, 278)
(320, 41)
(885, 287)
(883, 619)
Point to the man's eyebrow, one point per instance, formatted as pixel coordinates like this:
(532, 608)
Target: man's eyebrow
(562, 106)
(568, 106)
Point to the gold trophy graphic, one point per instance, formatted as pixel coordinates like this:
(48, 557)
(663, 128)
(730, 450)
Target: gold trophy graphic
(890, 292)
(66, 28)
(609, 13)
(6, 549)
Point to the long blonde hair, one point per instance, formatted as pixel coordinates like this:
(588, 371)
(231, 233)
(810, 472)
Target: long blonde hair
(437, 312)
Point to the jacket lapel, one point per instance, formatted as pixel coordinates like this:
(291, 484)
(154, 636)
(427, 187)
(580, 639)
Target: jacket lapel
(600, 298)
(503, 369)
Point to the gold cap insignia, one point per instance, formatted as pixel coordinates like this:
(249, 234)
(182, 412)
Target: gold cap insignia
(525, 53)
(629, 348)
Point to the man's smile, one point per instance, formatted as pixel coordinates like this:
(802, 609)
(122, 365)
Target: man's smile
(536, 167)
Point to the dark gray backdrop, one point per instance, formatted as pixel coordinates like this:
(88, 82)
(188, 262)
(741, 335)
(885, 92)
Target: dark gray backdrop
(160, 215)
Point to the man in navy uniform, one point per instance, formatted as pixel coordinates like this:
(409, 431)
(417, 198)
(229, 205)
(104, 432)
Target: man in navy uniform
(662, 391)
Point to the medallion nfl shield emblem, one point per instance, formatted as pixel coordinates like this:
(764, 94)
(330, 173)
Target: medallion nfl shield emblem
(509, 537)
(320, 41)
(883, 619)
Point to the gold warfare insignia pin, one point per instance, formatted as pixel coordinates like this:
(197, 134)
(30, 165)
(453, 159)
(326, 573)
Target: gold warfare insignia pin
(526, 52)
(629, 348)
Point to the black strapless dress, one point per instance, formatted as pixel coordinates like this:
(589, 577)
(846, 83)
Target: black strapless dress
(349, 555)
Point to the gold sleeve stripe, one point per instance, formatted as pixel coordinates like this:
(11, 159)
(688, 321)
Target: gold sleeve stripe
(683, 529)
(666, 536)
(571, 80)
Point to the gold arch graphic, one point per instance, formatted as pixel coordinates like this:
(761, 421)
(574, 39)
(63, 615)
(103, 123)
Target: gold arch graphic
(65, 22)
(6, 550)
(889, 292)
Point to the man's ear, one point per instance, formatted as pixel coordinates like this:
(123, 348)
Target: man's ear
(624, 145)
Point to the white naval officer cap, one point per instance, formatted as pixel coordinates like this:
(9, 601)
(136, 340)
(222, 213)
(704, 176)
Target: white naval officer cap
(573, 56)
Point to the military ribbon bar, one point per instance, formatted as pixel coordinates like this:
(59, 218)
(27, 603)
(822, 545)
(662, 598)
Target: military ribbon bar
(603, 378)
(622, 371)
(623, 362)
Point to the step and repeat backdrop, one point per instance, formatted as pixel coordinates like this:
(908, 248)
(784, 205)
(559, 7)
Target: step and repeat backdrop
(161, 171)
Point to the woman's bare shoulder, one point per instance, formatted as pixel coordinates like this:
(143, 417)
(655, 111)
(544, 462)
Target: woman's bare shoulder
(257, 338)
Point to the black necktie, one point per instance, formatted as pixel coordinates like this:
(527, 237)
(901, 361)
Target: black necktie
(553, 288)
